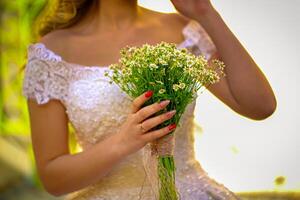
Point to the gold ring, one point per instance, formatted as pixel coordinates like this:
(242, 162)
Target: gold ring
(142, 128)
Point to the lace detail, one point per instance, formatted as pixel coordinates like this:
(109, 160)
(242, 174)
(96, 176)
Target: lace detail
(197, 40)
(96, 109)
(45, 78)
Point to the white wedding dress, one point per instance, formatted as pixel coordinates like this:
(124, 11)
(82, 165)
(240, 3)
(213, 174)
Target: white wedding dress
(96, 109)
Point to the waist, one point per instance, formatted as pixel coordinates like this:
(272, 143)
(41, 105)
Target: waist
(124, 179)
(144, 193)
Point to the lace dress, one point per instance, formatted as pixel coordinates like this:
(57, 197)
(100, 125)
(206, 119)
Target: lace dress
(96, 109)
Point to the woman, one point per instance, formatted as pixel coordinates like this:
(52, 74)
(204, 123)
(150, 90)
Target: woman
(79, 39)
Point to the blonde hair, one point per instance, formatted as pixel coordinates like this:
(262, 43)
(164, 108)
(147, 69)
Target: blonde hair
(60, 14)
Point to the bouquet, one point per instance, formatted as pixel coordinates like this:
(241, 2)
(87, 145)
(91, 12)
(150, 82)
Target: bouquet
(171, 73)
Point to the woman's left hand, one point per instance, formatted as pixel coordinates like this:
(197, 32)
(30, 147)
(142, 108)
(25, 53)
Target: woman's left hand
(193, 9)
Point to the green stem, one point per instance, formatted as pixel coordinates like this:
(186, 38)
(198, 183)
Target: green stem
(166, 171)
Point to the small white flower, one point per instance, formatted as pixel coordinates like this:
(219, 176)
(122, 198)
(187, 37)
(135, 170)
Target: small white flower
(153, 66)
(163, 62)
(159, 82)
(181, 85)
(161, 91)
(132, 62)
(175, 87)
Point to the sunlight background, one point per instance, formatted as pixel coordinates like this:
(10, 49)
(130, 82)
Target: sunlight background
(243, 154)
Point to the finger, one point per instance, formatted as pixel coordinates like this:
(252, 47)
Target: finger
(147, 111)
(153, 122)
(140, 100)
(153, 135)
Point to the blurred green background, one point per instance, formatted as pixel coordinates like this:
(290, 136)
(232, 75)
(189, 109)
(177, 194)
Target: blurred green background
(18, 177)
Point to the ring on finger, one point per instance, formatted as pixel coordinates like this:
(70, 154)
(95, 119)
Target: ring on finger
(142, 128)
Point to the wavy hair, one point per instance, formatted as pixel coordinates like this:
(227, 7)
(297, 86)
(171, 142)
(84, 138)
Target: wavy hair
(58, 14)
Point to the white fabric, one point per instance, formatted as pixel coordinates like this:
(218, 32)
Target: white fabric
(96, 109)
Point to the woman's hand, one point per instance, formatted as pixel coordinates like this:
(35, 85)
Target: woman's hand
(131, 137)
(193, 9)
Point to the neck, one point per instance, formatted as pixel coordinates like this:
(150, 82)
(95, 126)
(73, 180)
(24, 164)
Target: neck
(113, 14)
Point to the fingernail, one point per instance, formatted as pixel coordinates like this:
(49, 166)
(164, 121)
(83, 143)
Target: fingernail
(171, 113)
(149, 93)
(172, 126)
(164, 103)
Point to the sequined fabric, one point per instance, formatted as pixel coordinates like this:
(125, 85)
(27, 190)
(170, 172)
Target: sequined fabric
(96, 109)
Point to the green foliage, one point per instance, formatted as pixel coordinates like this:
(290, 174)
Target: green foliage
(16, 34)
(16, 19)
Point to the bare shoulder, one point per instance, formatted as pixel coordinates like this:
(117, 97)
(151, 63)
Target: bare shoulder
(175, 20)
(169, 20)
(169, 25)
(56, 40)
(173, 24)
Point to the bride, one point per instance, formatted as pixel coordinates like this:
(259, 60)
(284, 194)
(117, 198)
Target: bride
(64, 82)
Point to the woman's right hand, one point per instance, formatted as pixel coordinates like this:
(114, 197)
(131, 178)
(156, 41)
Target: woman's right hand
(131, 136)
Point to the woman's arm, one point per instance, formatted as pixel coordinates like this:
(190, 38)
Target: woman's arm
(245, 88)
(60, 171)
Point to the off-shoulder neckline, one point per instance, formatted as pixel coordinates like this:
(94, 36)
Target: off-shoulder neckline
(97, 67)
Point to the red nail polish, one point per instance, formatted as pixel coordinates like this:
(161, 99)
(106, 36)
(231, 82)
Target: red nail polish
(149, 93)
(172, 126)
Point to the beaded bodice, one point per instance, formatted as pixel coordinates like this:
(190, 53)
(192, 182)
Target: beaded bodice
(96, 109)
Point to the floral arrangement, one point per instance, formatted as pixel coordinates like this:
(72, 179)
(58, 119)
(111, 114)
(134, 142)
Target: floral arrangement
(171, 73)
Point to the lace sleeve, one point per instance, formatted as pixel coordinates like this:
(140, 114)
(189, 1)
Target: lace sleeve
(197, 40)
(45, 77)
